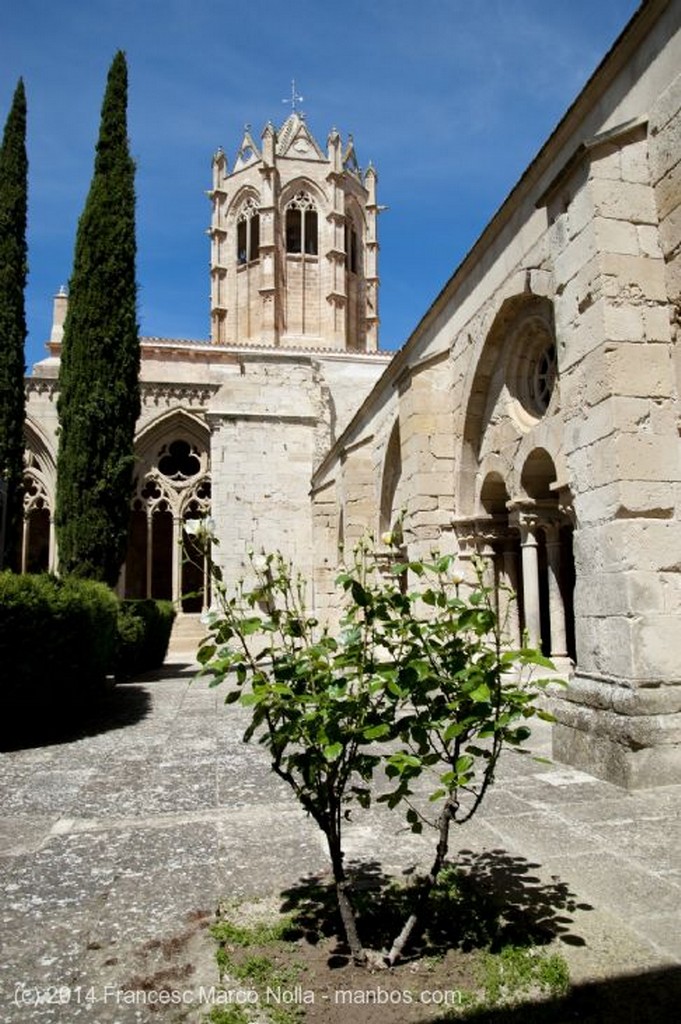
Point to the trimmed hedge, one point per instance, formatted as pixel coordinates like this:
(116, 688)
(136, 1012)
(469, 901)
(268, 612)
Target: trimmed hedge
(57, 636)
(143, 635)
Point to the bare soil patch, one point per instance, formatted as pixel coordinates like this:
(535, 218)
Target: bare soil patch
(287, 955)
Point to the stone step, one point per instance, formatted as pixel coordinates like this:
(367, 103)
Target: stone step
(187, 633)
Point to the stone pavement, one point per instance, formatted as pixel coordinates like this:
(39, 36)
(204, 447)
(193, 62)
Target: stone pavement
(116, 847)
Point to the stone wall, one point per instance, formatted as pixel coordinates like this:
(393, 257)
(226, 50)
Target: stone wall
(537, 409)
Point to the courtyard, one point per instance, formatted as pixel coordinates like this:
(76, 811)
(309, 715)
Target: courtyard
(119, 842)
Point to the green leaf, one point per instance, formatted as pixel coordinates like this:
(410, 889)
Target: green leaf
(452, 731)
(530, 656)
(359, 594)
(250, 626)
(375, 732)
(249, 699)
(481, 694)
(443, 563)
(205, 653)
(333, 751)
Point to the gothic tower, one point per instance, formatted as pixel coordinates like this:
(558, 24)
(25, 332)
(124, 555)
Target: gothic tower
(294, 247)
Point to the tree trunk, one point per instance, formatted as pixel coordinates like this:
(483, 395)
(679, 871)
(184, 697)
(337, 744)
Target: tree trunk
(415, 919)
(347, 911)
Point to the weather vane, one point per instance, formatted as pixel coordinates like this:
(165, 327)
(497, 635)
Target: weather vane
(295, 98)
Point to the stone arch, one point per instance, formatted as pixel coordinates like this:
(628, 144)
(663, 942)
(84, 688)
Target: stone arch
(169, 424)
(340, 535)
(303, 237)
(540, 454)
(548, 575)
(241, 197)
(355, 281)
(494, 373)
(38, 546)
(302, 184)
(537, 475)
(245, 216)
(389, 506)
(494, 495)
(497, 539)
(172, 485)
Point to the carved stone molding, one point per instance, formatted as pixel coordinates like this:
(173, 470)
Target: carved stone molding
(187, 394)
(42, 386)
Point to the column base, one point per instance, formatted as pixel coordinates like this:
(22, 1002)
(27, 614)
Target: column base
(630, 737)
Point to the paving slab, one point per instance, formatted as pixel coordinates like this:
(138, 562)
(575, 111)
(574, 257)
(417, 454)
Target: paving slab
(117, 844)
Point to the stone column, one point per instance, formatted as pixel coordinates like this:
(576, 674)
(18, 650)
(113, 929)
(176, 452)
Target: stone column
(150, 551)
(510, 610)
(177, 562)
(205, 597)
(556, 605)
(24, 542)
(530, 568)
(52, 549)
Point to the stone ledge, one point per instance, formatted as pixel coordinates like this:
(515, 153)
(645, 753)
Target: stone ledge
(630, 737)
(615, 762)
(623, 697)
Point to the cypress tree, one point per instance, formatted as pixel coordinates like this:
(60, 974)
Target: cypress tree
(13, 271)
(99, 396)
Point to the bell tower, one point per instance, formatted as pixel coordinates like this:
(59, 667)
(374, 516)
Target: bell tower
(294, 247)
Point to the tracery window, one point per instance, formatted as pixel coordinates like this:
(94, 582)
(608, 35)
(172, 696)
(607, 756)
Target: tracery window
(248, 233)
(302, 225)
(37, 543)
(542, 378)
(351, 248)
(532, 370)
(179, 461)
(172, 487)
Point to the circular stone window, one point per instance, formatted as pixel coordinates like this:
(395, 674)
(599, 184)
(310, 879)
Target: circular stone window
(533, 371)
(543, 377)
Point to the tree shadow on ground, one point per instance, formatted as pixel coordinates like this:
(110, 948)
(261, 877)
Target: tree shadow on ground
(484, 901)
(649, 997)
(173, 670)
(111, 707)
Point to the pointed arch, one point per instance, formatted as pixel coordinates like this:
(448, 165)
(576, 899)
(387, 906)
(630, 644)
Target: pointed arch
(244, 218)
(303, 184)
(172, 485)
(497, 370)
(167, 425)
(391, 479)
(38, 545)
(301, 224)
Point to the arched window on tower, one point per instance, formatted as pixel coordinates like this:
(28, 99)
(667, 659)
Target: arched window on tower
(302, 225)
(350, 248)
(248, 233)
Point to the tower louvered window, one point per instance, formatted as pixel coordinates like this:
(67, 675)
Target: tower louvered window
(248, 233)
(302, 225)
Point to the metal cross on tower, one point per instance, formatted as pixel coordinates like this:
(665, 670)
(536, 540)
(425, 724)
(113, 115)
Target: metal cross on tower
(295, 98)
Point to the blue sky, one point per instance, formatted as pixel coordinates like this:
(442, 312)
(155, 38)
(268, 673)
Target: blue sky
(449, 99)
